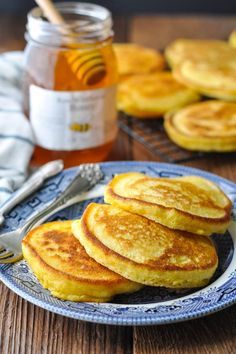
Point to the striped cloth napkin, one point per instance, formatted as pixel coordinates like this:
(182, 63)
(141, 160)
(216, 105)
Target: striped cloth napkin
(16, 136)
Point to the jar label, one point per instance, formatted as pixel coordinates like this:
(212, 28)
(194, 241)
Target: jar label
(63, 120)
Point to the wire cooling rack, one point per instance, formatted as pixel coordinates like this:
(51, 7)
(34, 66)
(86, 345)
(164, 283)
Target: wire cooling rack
(151, 133)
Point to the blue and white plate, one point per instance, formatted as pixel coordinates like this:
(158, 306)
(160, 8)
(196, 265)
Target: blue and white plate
(150, 305)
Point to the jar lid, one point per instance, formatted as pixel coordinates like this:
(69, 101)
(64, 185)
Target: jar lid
(85, 23)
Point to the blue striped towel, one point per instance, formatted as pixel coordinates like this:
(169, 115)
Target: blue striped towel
(16, 136)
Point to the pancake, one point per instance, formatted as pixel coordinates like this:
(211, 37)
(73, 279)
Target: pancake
(136, 59)
(189, 203)
(198, 50)
(152, 95)
(143, 250)
(206, 66)
(232, 39)
(205, 126)
(216, 80)
(63, 267)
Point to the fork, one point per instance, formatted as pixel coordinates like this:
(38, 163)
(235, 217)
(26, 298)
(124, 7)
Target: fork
(10, 243)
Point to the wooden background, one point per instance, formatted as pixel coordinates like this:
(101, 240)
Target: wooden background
(27, 329)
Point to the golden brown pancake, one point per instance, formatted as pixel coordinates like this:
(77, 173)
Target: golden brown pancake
(152, 95)
(143, 250)
(206, 66)
(189, 203)
(62, 266)
(198, 50)
(136, 59)
(232, 39)
(216, 80)
(205, 126)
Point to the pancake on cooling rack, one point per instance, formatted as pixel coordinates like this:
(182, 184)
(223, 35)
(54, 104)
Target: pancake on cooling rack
(189, 203)
(136, 59)
(152, 95)
(204, 126)
(207, 66)
(196, 50)
(143, 250)
(62, 266)
(212, 80)
(232, 39)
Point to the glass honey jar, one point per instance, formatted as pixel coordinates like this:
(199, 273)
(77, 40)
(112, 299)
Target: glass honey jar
(70, 84)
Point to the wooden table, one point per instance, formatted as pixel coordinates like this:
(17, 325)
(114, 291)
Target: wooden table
(28, 329)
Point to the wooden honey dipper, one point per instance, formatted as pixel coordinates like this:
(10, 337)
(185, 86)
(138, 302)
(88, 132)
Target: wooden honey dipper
(87, 65)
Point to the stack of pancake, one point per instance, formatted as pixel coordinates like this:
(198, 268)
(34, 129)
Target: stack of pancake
(145, 90)
(232, 39)
(206, 126)
(153, 231)
(207, 66)
(151, 96)
(135, 59)
(199, 68)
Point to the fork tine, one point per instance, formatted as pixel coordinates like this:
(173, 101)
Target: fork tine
(6, 254)
(12, 259)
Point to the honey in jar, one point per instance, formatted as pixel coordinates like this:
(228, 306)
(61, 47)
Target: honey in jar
(70, 84)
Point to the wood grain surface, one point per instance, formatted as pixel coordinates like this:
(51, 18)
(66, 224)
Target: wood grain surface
(157, 31)
(28, 329)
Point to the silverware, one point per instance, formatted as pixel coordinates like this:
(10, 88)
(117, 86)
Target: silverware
(50, 169)
(10, 243)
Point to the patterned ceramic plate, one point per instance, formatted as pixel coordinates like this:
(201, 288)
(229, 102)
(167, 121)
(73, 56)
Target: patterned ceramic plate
(150, 305)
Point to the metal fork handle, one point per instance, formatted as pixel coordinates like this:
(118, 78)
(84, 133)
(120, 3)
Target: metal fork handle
(32, 184)
(78, 185)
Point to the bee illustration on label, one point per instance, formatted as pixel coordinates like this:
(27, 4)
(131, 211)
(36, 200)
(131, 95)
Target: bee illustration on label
(82, 128)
